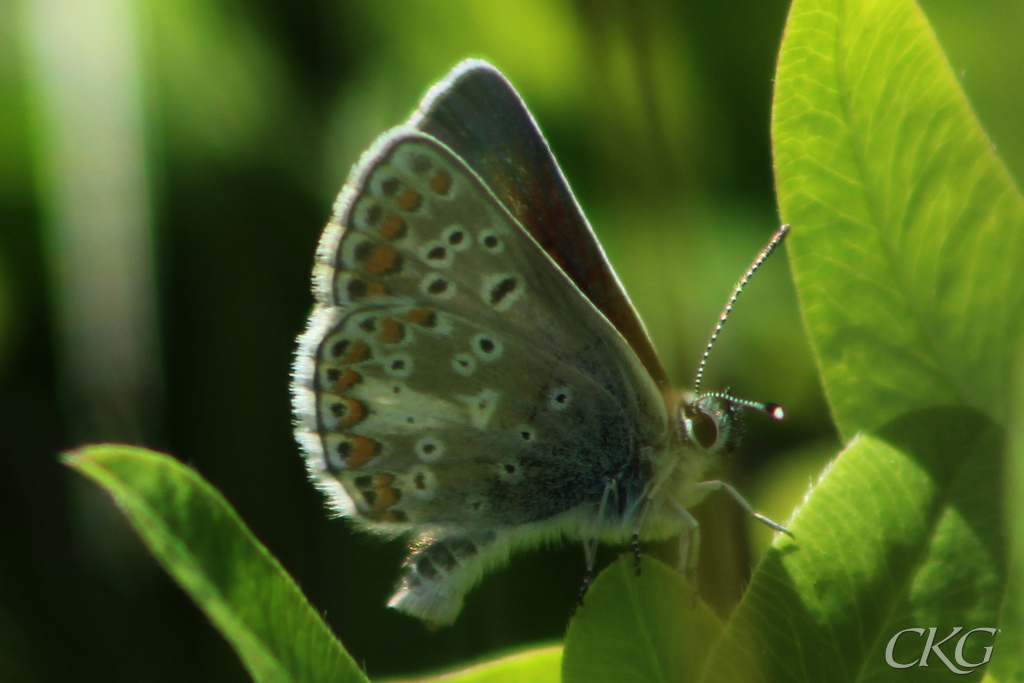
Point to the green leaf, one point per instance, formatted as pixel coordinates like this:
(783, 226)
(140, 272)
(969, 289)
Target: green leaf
(638, 628)
(902, 532)
(1007, 661)
(541, 665)
(908, 232)
(907, 237)
(202, 543)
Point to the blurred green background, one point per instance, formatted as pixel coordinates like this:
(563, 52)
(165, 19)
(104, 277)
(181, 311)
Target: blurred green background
(165, 170)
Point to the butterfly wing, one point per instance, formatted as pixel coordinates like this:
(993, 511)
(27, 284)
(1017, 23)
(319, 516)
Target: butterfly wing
(453, 381)
(448, 338)
(477, 113)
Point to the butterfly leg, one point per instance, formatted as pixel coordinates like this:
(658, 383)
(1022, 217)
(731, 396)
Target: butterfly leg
(590, 543)
(706, 486)
(689, 542)
(634, 541)
(588, 578)
(441, 569)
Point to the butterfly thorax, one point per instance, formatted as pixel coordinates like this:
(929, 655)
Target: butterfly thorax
(702, 430)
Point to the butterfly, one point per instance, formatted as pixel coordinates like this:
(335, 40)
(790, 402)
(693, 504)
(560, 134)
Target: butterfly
(473, 376)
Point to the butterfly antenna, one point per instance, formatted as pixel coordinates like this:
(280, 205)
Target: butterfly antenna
(772, 245)
(774, 410)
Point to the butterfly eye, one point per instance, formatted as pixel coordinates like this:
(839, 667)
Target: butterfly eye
(709, 423)
(702, 429)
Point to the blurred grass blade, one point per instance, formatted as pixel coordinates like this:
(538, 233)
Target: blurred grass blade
(904, 531)
(541, 665)
(201, 542)
(87, 76)
(908, 232)
(639, 628)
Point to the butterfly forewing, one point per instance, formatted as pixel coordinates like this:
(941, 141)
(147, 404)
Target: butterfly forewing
(453, 376)
(477, 113)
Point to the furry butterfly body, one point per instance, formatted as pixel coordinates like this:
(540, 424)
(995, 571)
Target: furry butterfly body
(473, 375)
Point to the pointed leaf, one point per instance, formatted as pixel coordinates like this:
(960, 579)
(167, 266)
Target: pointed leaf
(199, 539)
(908, 232)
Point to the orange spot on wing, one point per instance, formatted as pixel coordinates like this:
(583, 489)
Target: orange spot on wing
(391, 331)
(441, 182)
(386, 497)
(383, 259)
(421, 316)
(346, 378)
(362, 450)
(357, 352)
(392, 227)
(348, 411)
(363, 289)
(409, 200)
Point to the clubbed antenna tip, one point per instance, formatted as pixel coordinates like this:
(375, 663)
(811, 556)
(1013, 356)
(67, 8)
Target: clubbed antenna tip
(773, 410)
